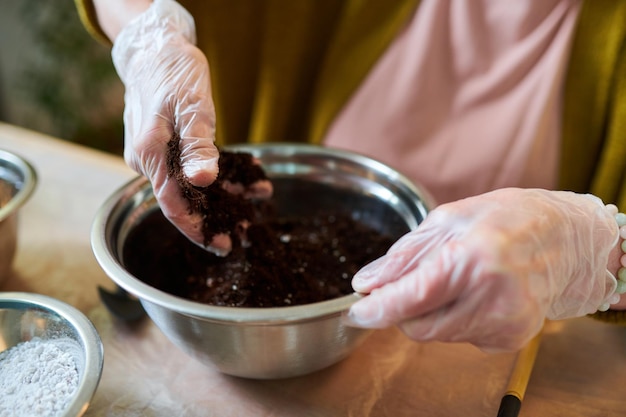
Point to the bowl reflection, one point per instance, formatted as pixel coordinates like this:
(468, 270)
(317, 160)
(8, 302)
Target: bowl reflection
(17, 183)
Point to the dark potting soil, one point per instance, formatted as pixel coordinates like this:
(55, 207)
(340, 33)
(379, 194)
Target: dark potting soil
(290, 261)
(286, 261)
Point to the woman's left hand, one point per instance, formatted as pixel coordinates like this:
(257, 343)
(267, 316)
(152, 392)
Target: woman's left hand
(489, 269)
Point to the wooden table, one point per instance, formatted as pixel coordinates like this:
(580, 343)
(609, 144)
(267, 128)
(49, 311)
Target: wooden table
(580, 368)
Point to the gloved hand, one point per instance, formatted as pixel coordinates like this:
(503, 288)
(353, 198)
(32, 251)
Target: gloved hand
(168, 90)
(489, 269)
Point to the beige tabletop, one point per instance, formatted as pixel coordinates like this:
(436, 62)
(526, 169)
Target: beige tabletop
(580, 368)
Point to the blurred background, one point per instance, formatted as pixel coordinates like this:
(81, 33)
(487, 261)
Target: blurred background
(55, 78)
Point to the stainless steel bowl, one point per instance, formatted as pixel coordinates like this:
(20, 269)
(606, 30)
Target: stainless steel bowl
(275, 342)
(17, 183)
(24, 316)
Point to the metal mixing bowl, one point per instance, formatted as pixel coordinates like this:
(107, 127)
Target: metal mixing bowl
(272, 342)
(17, 183)
(24, 316)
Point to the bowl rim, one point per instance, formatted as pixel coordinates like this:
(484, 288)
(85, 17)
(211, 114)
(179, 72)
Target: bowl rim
(89, 338)
(231, 315)
(30, 182)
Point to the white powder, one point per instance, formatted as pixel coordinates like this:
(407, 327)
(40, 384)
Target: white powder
(38, 377)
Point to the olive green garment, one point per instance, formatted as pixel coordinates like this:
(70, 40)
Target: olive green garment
(593, 156)
(282, 70)
(593, 149)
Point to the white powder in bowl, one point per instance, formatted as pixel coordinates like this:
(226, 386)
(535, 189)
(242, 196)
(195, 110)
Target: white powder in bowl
(38, 377)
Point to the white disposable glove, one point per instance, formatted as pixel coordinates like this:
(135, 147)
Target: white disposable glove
(489, 269)
(168, 90)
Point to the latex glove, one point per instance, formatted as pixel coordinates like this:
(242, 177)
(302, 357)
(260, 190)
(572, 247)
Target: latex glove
(168, 90)
(489, 269)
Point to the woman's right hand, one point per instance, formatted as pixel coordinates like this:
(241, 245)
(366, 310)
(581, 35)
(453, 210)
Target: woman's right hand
(168, 91)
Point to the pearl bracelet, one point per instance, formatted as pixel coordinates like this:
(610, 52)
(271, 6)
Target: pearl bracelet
(620, 218)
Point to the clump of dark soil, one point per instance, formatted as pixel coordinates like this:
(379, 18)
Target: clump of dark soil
(288, 260)
(223, 211)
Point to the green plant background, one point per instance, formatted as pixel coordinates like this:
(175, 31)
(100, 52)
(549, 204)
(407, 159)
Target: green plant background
(57, 79)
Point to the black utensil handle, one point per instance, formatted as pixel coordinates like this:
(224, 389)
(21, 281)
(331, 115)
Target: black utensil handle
(509, 406)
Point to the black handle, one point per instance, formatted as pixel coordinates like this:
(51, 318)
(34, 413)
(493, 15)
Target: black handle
(509, 406)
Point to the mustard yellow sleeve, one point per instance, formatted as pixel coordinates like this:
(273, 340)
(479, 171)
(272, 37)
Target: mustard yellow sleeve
(87, 14)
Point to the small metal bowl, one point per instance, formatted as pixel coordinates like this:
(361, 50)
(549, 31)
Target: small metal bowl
(26, 316)
(17, 183)
(276, 342)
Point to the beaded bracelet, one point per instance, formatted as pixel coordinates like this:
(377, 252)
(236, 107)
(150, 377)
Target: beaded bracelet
(620, 218)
